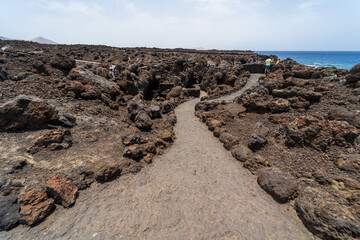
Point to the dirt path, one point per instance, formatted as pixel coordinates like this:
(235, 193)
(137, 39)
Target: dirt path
(196, 190)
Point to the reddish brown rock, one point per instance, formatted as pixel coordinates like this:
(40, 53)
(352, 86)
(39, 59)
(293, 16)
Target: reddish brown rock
(241, 152)
(255, 163)
(107, 172)
(218, 131)
(62, 191)
(148, 158)
(299, 102)
(279, 105)
(134, 151)
(91, 93)
(167, 136)
(34, 205)
(26, 112)
(131, 139)
(213, 123)
(143, 121)
(76, 87)
(349, 163)
(280, 185)
(343, 132)
(53, 140)
(312, 131)
(324, 216)
(228, 140)
(342, 114)
(175, 92)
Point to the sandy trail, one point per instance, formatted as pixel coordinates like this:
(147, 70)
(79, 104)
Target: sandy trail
(196, 190)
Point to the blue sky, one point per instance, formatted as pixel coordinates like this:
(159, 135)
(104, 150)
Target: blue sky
(220, 24)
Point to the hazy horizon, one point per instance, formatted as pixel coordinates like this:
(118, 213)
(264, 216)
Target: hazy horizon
(260, 25)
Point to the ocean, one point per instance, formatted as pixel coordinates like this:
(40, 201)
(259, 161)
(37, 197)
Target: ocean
(342, 60)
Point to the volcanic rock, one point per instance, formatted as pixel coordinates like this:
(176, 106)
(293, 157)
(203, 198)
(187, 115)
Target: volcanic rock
(135, 106)
(65, 120)
(354, 75)
(17, 165)
(143, 121)
(255, 163)
(26, 112)
(175, 92)
(193, 92)
(255, 99)
(213, 123)
(81, 177)
(154, 111)
(107, 172)
(280, 185)
(90, 93)
(62, 191)
(9, 187)
(279, 105)
(98, 81)
(218, 131)
(52, 140)
(312, 131)
(258, 138)
(167, 136)
(342, 114)
(305, 74)
(134, 151)
(299, 102)
(324, 216)
(9, 213)
(62, 62)
(228, 140)
(76, 87)
(34, 205)
(131, 139)
(167, 106)
(349, 163)
(254, 67)
(165, 86)
(3, 74)
(343, 132)
(241, 152)
(206, 106)
(282, 93)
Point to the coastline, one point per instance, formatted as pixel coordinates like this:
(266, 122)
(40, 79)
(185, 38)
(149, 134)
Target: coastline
(339, 59)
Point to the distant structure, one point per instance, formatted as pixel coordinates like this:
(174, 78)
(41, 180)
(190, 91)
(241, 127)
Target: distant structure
(42, 40)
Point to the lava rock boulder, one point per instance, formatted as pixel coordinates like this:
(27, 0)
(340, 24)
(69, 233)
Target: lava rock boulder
(280, 185)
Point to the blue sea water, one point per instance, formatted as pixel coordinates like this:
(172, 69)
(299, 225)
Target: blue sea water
(342, 60)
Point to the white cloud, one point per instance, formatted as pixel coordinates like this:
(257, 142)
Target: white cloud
(217, 7)
(73, 8)
(309, 4)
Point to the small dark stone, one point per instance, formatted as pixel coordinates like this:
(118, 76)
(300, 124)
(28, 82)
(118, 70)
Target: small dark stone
(9, 213)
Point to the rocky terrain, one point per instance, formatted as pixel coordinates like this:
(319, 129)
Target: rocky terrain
(298, 132)
(69, 124)
(67, 121)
